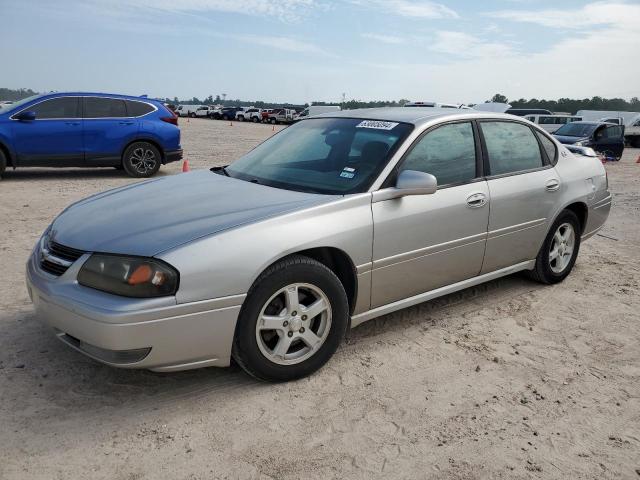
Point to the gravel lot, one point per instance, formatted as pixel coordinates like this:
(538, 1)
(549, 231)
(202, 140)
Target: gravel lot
(507, 380)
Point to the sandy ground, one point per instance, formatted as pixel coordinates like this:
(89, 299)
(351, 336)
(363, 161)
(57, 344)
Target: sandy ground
(507, 380)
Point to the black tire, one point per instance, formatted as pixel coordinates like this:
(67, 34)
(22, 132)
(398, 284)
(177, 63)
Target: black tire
(294, 269)
(542, 271)
(192, 115)
(273, 121)
(150, 156)
(3, 163)
(254, 119)
(240, 118)
(635, 141)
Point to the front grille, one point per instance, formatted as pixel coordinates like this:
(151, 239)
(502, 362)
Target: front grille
(56, 259)
(66, 253)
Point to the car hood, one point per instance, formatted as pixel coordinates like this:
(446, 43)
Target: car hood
(569, 140)
(151, 217)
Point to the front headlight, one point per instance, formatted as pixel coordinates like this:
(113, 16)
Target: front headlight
(129, 276)
(582, 143)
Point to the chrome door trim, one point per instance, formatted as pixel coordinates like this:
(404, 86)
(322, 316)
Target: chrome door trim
(438, 292)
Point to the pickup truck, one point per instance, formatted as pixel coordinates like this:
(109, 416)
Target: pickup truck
(205, 111)
(282, 115)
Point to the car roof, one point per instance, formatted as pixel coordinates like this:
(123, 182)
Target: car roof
(415, 116)
(591, 123)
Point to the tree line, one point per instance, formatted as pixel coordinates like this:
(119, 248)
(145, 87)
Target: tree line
(561, 105)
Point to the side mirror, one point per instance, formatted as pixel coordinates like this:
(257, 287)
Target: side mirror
(26, 116)
(409, 182)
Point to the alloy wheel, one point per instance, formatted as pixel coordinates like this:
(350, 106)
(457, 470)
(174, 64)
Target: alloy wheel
(143, 160)
(562, 247)
(293, 324)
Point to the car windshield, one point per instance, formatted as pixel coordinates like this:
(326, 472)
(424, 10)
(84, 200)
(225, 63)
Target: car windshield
(18, 104)
(576, 130)
(334, 156)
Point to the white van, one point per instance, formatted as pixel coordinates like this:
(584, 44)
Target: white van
(188, 110)
(551, 123)
(317, 110)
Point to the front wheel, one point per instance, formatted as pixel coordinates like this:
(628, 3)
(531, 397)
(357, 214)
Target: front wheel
(273, 121)
(141, 160)
(559, 250)
(293, 320)
(254, 119)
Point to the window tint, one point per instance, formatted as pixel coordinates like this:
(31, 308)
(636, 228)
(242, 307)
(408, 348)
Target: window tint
(547, 121)
(448, 153)
(137, 109)
(549, 147)
(95, 107)
(512, 147)
(63, 107)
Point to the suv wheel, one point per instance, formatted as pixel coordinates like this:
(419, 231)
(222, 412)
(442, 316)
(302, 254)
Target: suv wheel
(293, 320)
(254, 119)
(559, 250)
(273, 121)
(240, 118)
(141, 160)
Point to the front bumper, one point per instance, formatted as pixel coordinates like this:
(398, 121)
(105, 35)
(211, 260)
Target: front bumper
(173, 156)
(155, 334)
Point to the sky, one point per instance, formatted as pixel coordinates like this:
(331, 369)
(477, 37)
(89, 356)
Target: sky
(461, 51)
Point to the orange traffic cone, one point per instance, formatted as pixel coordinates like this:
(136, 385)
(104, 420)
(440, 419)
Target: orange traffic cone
(185, 166)
(230, 123)
(273, 128)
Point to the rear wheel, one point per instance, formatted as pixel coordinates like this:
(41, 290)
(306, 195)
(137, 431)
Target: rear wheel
(559, 250)
(254, 119)
(241, 118)
(141, 160)
(273, 121)
(192, 115)
(292, 321)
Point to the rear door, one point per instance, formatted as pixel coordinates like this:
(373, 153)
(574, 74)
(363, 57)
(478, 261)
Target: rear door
(108, 128)
(524, 190)
(54, 138)
(423, 242)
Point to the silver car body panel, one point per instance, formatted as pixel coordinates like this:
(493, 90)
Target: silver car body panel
(221, 233)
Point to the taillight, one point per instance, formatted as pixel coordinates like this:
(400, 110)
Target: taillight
(172, 119)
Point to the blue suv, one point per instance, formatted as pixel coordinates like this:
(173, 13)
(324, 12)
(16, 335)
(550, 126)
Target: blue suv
(136, 134)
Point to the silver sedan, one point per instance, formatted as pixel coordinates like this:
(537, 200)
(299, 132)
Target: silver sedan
(336, 220)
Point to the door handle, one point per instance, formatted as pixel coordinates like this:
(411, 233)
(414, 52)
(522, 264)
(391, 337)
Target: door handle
(72, 123)
(552, 185)
(476, 200)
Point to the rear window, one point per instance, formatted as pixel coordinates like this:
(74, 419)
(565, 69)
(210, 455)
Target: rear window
(137, 109)
(96, 107)
(512, 147)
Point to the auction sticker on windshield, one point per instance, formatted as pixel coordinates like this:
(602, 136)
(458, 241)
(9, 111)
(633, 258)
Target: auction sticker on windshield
(378, 125)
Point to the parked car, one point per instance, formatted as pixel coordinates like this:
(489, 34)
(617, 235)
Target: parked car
(89, 130)
(323, 226)
(229, 113)
(249, 114)
(521, 112)
(205, 111)
(605, 138)
(551, 123)
(188, 110)
(282, 115)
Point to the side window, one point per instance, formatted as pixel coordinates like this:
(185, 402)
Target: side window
(137, 109)
(63, 107)
(448, 153)
(549, 147)
(96, 107)
(511, 146)
(613, 132)
(546, 121)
